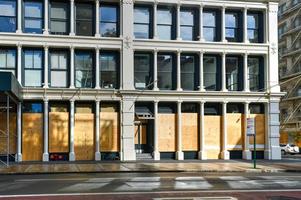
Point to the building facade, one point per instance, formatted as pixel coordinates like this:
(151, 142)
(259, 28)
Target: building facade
(142, 79)
(290, 68)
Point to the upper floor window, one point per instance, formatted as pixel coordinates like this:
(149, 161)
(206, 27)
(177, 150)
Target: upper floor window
(165, 23)
(28, 107)
(234, 73)
(109, 21)
(210, 25)
(33, 17)
(166, 71)
(84, 69)
(211, 72)
(33, 67)
(8, 16)
(142, 69)
(233, 26)
(188, 24)
(255, 27)
(84, 19)
(142, 21)
(188, 72)
(59, 20)
(8, 60)
(109, 70)
(256, 73)
(58, 68)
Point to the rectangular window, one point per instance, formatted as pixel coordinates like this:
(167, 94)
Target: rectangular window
(84, 69)
(233, 25)
(58, 68)
(211, 73)
(255, 27)
(34, 107)
(165, 23)
(109, 20)
(187, 23)
(59, 18)
(188, 72)
(210, 25)
(212, 109)
(143, 70)
(33, 67)
(233, 73)
(142, 21)
(256, 74)
(8, 16)
(33, 17)
(109, 70)
(8, 60)
(84, 19)
(166, 71)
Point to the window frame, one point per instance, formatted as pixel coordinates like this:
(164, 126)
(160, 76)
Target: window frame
(173, 24)
(150, 72)
(67, 70)
(237, 28)
(92, 20)
(239, 77)
(33, 18)
(194, 74)
(149, 24)
(261, 73)
(117, 23)
(173, 70)
(218, 73)
(16, 59)
(92, 70)
(10, 17)
(195, 31)
(67, 20)
(216, 27)
(117, 72)
(259, 29)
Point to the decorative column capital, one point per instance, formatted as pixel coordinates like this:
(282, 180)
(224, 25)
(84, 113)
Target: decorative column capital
(202, 102)
(179, 51)
(19, 45)
(45, 100)
(247, 102)
(180, 101)
(225, 102)
(46, 47)
(155, 50)
(156, 101)
(156, 2)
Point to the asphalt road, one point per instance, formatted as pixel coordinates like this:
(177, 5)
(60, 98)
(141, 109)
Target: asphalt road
(151, 185)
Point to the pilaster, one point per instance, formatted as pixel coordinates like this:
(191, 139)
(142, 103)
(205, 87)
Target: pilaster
(45, 154)
(72, 115)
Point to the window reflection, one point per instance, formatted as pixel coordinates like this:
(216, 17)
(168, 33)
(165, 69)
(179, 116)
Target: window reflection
(33, 17)
(8, 16)
(108, 21)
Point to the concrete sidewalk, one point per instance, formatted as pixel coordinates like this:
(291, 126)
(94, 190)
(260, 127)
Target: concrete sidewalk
(151, 166)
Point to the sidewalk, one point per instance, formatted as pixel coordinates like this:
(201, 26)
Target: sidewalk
(152, 167)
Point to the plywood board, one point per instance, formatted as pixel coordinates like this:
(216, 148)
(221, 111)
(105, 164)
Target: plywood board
(32, 136)
(58, 132)
(167, 132)
(235, 128)
(109, 132)
(84, 136)
(190, 132)
(213, 129)
(260, 129)
(12, 133)
(283, 138)
(143, 134)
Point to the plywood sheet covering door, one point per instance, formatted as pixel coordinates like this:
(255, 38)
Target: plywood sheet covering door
(109, 132)
(190, 139)
(32, 136)
(260, 129)
(12, 133)
(235, 129)
(167, 132)
(143, 133)
(84, 136)
(58, 132)
(213, 136)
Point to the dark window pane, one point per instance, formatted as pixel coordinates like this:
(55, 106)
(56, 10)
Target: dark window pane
(108, 13)
(33, 62)
(108, 21)
(108, 29)
(109, 70)
(83, 69)
(84, 28)
(84, 19)
(165, 23)
(188, 72)
(33, 17)
(7, 16)
(59, 18)
(255, 75)
(142, 22)
(165, 72)
(142, 70)
(232, 74)
(32, 108)
(210, 73)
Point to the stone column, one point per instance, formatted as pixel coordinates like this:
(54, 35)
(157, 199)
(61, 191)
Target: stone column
(201, 33)
(97, 131)
(156, 152)
(202, 152)
(179, 153)
(19, 64)
(46, 51)
(223, 34)
(46, 18)
(246, 74)
(19, 18)
(45, 154)
(179, 87)
(155, 36)
(224, 88)
(247, 155)
(72, 68)
(225, 155)
(201, 71)
(97, 14)
(97, 68)
(19, 133)
(178, 22)
(155, 70)
(245, 26)
(72, 123)
(72, 8)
